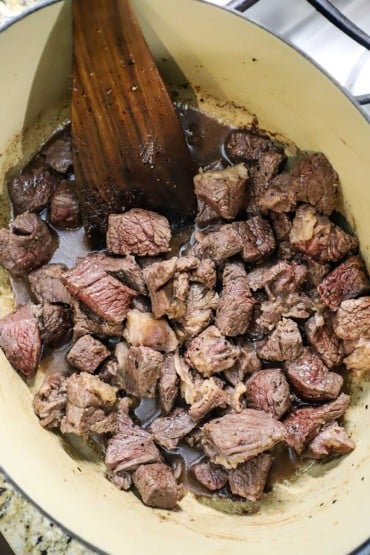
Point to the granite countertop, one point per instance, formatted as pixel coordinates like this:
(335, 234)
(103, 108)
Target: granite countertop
(25, 529)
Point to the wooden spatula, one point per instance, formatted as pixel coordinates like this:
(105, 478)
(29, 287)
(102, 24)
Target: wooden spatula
(128, 144)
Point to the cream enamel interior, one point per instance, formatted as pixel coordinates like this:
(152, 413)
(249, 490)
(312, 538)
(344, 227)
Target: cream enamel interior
(213, 50)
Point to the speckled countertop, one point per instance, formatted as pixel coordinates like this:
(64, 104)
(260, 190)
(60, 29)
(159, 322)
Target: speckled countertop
(24, 527)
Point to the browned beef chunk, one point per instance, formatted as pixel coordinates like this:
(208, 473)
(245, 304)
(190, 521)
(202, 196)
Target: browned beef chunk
(321, 336)
(138, 232)
(285, 342)
(170, 299)
(200, 303)
(211, 476)
(157, 486)
(58, 155)
(210, 352)
(280, 196)
(87, 354)
(331, 440)
(168, 384)
(143, 371)
(268, 390)
(130, 446)
(358, 361)
(248, 480)
(304, 424)
(20, 339)
(206, 215)
(316, 236)
(205, 273)
(86, 322)
(247, 145)
(31, 190)
(261, 174)
(316, 271)
(311, 378)
(47, 286)
(64, 207)
(279, 278)
(55, 323)
(169, 430)
(246, 363)
(122, 480)
(281, 225)
(237, 438)
(223, 190)
(352, 320)
(220, 245)
(143, 329)
(257, 238)
(125, 269)
(28, 244)
(292, 305)
(102, 293)
(90, 406)
(235, 308)
(50, 401)
(346, 281)
(110, 372)
(157, 274)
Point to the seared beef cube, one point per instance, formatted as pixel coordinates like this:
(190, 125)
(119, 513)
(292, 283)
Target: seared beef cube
(102, 293)
(346, 281)
(58, 154)
(125, 269)
(209, 395)
(157, 486)
(237, 438)
(220, 245)
(281, 225)
(352, 320)
(143, 329)
(157, 274)
(122, 480)
(27, 245)
(64, 207)
(210, 476)
(86, 322)
(169, 430)
(304, 424)
(46, 284)
(321, 336)
(31, 190)
(50, 401)
(223, 190)
(247, 145)
(168, 384)
(111, 373)
(267, 167)
(87, 354)
(138, 231)
(311, 378)
(331, 440)
(200, 304)
(358, 361)
(90, 406)
(314, 181)
(246, 363)
(235, 308)
(130, 446)
(292, 305)
(277, 278)
(316, 271)
(210, 352)
(316, 236)
(285, 342)
(257, 238)
(55, 323)
(20, 339)
(269, 391)
(280, 196)
(143, 371)
(205, 273)
(206, 215)
(248, 480)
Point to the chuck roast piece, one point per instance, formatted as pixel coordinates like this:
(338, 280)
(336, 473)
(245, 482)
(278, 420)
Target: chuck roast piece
(46, 284)
(210, 352)
(358, 361)
(285, 342)
(138, 231)
(268, 390)
(247, 145)
(237, 438)
(246, 363)
(331, 440)
(321, 336)
(235, 308)
(248, 480)
(211, 476)
(316, 271)
(64, 207)
(316, 236)
(143, 371)
(90, 406)
(169, 430)
(168, 384)
(257, 239)
(220, 245)
(55, 323)
(157, 486)
(304, 424)
(279, 278)
(292, 305)
(58, 154)
(87, 354)
(222, 190)
(50, 401)
(20, 339)
(261, 175)
(31, 190)
(206, 215)
(200, 304)
(352, 320)
(86, 322)
(26, 245)
(311, 378)
(346, 281)
(99, 291)
(143, 329)
(126, 269)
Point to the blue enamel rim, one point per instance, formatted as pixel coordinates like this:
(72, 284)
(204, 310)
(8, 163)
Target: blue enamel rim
(364, 548)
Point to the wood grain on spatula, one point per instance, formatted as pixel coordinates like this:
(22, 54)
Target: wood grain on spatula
(128, 145)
